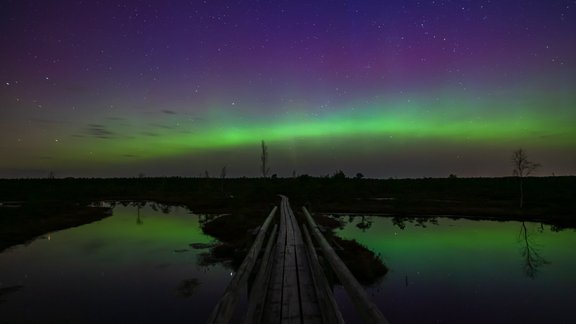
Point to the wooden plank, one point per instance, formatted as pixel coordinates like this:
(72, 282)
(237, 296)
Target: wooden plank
(328, 307)
(310, 308)
(258, 296)
(291, 312)
(357, 294)
(226, 307)
(290, 294)
(309, 311)
(273, 304)
(308, 296)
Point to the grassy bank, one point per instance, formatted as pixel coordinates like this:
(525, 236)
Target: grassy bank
(19, 225)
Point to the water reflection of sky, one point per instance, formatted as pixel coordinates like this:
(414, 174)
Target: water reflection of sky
(465, 271)
(124, 268)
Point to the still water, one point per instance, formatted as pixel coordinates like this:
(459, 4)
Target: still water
(466, 271)
(136, 266)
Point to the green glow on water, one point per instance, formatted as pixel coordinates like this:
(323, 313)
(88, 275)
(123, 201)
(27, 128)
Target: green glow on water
(476, 267)
(120, 269)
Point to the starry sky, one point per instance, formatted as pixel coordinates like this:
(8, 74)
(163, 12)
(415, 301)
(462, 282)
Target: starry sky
(387, 88)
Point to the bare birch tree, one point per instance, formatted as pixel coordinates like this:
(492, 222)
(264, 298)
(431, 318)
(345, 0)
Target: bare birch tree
(264, 168)
(522, 168)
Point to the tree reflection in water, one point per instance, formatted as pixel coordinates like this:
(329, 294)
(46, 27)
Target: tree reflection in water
(365, 223)
(531, 257)
(400, 221)
(139, 206)
(157, 207)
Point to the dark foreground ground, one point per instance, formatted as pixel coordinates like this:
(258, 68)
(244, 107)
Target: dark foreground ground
(33, 207)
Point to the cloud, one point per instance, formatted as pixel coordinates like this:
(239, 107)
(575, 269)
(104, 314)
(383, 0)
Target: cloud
(45, 121)
(116, 118)
(161, 126)
(552, 135)
(42, 157)
(99, 131)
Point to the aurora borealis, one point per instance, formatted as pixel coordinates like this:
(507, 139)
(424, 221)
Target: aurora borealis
(386, 88)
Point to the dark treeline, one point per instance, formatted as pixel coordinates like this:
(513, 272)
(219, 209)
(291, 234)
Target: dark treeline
(544, 196)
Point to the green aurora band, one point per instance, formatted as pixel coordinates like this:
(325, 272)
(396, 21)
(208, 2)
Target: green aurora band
(447, 121)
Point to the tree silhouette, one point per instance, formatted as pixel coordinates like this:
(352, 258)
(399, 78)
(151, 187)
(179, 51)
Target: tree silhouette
(339, 175)
(522, 168)
(264, 168)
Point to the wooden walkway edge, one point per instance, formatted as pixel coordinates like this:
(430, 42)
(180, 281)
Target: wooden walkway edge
(224, 310)
(357, 293)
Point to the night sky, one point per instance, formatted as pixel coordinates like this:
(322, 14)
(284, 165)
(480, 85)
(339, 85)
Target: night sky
(386, 88)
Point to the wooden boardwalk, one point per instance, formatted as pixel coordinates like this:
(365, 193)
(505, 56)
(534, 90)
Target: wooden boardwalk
(288, 285)
(292, 296)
